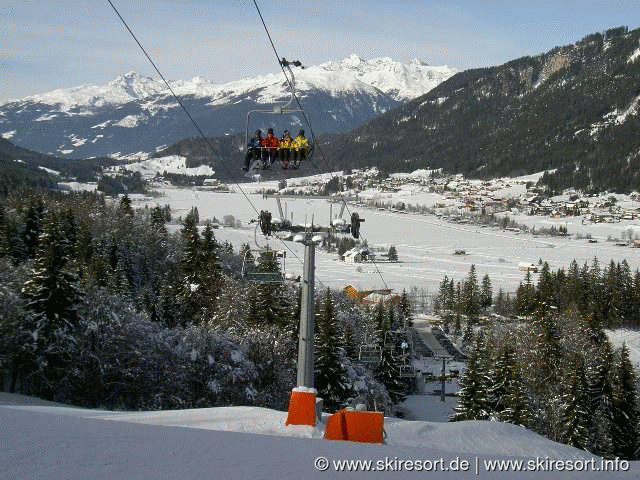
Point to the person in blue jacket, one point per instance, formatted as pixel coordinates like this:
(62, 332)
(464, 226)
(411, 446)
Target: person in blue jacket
(254, 149)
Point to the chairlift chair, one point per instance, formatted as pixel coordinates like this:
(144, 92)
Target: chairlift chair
(284, 109)
(251, 271)
(407, 371)
(370, 355)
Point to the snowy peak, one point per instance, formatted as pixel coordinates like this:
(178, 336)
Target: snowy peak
(135, 113)
(123, 89)
(402, 81)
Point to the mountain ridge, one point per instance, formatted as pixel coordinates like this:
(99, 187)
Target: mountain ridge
(572, 111)
(134, 113)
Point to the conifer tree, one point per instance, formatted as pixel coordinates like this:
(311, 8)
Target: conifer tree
(471, 294)
(124, 206)
(445, 295)
(381, 321)
(51, 294)
(210, 249)
(406, 315)
(349, 342)
(611, 295)
(625, 291)
(4, 250)
(51, 291)
(486, 293)
(33, 226)
(189, 289)
(547, 352)
(501, 303)
(473, 396)
(545, 289)
(596, 291)
(574, 285)
(331, 379)
(626, 414)
(507, 395)
(190, 261)
(387, 371)
(600, 395)
(635, 299)
(274, 304)
(575, 416)
(525, 296)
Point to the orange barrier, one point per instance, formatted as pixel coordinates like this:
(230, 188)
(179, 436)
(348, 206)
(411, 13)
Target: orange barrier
(302, 408)
(355, 426)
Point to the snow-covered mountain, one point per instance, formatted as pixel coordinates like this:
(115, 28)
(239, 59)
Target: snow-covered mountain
(134, 113)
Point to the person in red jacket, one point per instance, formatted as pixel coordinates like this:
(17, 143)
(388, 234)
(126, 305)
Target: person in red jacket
(270, 145)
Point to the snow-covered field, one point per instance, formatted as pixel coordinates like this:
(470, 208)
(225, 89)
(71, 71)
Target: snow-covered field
(42, 440)
(425, 243)
(631, 339)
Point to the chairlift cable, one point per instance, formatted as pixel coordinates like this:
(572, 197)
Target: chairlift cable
(193, 121)
(313, 137)
(282, 67)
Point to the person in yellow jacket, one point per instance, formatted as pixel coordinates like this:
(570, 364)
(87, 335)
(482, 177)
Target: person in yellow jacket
(285, 149)
(300, 147)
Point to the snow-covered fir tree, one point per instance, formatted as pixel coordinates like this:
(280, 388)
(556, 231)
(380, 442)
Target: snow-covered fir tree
(331, 379)
(600, 393)
(473, 396)
(626, 413)
(51, 294)
(388, 371)
(471, 294)
(486, 292)
(507, 395)
(575, 414)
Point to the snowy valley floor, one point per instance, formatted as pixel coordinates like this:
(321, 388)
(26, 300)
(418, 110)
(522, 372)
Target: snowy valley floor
(42, 440)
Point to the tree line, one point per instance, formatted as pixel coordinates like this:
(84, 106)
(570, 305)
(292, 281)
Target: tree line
(550, 366)
(101, 306)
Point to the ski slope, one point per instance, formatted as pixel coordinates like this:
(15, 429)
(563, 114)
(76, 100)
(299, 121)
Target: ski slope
(43, 440)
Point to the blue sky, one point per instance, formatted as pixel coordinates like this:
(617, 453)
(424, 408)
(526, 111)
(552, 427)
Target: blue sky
(49, 44)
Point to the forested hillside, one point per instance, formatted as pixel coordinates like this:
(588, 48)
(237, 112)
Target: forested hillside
(20, 167)
(573, 110)
(101, 306)
(552, 368)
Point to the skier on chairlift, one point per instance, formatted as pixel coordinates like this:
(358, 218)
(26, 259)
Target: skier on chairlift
(300, 147)
(285, 149)
(254, 150)
(270, 145)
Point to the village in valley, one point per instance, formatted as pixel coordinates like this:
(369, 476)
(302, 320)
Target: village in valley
(516, 204)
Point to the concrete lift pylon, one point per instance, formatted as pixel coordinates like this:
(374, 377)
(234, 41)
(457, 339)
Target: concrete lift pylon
(304, 406)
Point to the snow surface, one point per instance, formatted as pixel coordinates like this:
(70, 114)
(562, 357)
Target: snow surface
(158, 166)
(43, 440)
(630, 338)
(425, 243)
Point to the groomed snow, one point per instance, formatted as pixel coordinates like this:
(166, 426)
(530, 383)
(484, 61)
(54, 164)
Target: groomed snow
(41, 440)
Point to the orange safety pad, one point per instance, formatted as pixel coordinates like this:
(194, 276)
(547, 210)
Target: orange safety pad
(355, 426)
(302, 409)
(336, 427)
